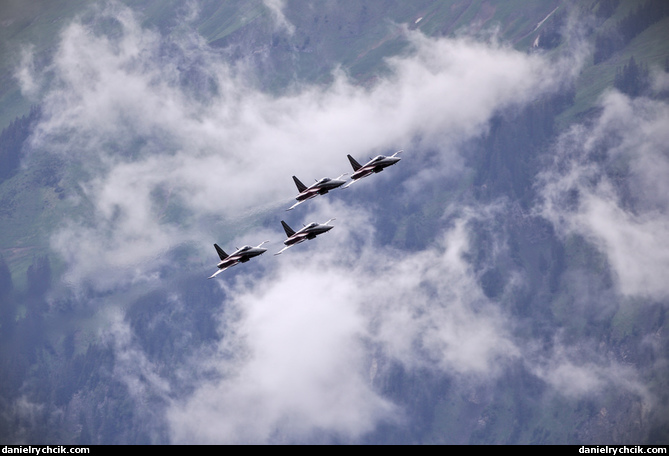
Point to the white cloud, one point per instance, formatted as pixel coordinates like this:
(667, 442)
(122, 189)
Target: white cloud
(299, 357)
(276, 7)
(25, 73)
(23, 414)
(576, 370)
(435, 314)
(131, 364)
(610, 185)
(148, 115)
(659, 81)
(298, 368)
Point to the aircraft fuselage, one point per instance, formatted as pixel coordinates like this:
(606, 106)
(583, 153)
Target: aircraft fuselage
(375, 165)
(321, 187)
(307, 233)
(241, 256)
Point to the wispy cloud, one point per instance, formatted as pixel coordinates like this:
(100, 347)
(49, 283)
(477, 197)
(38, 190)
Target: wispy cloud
(159, 122)
(576, 369)
(609, 184)
(276, 7)
(299, 358)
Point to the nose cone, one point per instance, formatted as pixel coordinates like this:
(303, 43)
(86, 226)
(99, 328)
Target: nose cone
(258, 251)
(327, 228)
(337, 183)
(395, 159)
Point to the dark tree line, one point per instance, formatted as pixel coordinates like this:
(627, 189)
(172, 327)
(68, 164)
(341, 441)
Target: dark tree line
(7, 308)
(632, 79)
(606, 44)
(506, 159)
(6, 285)
(643, 17)
(615, 38)
(11, 142)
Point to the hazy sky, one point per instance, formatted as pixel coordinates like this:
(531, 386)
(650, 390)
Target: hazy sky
(305, 340)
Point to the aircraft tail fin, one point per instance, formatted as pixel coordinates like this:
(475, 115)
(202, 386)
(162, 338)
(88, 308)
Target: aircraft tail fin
(289, 231)
(221, 253)
(300, 186)
(356, 166)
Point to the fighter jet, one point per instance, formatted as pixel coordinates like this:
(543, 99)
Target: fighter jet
(375, 165)
(240, 256)
(309, 231)
(321, 187)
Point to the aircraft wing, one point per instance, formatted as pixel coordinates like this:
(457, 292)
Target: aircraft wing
(283, 250)
(351, 183)
(295, 205)
(221, 270)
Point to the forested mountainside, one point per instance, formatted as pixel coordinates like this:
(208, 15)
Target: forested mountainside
(504, 283)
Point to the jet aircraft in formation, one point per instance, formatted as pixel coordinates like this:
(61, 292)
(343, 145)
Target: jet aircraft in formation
(375, 165)
(239, 256)
(310, 231)
(321, 187)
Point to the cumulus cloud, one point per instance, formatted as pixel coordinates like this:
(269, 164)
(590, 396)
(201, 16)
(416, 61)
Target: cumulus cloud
(302, 348)
(436, 315)
(300, 355)
(610, 185)
(301, 368)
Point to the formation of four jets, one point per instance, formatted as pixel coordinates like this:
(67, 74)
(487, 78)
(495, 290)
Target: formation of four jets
(310, 231)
